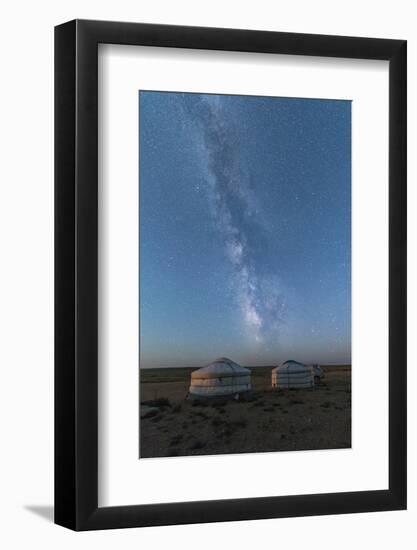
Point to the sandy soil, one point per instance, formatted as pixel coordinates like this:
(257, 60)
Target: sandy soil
(286, 420)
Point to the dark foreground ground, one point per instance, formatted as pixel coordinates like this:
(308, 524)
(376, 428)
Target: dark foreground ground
(289, 420)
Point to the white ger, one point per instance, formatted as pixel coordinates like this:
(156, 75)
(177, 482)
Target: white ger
(221, 378)
(292, 374)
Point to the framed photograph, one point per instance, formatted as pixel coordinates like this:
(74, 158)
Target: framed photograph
(230, 254)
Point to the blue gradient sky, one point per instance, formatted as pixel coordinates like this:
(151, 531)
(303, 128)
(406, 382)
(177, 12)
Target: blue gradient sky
(245, 222)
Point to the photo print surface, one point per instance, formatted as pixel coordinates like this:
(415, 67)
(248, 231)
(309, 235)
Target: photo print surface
(245, 274)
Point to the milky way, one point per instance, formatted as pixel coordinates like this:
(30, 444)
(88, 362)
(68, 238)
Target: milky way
(238, 216)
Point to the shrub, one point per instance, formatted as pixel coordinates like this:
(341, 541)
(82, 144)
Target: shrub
(150, 414)
(199, 403)
(247, 397)
(172, 452)
(176, 439)
(201, 414)
(198, 444)
(241, 423)
(217, 422)
(161, 402)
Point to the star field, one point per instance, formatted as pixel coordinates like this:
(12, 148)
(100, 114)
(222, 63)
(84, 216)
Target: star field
(245, 223)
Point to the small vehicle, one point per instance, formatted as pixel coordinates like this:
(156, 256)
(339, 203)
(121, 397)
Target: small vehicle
(318, 373)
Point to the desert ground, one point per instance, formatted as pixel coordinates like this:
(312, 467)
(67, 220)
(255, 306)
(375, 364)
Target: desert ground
(283, 420)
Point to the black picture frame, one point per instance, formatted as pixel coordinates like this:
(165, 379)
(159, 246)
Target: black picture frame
(76, 272)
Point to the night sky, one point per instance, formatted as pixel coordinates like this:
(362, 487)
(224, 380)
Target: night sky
(245, 229)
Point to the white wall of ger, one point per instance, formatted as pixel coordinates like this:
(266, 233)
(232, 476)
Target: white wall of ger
(26, 228)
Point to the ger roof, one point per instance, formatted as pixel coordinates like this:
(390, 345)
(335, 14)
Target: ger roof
(220, 368)
(294, 366)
